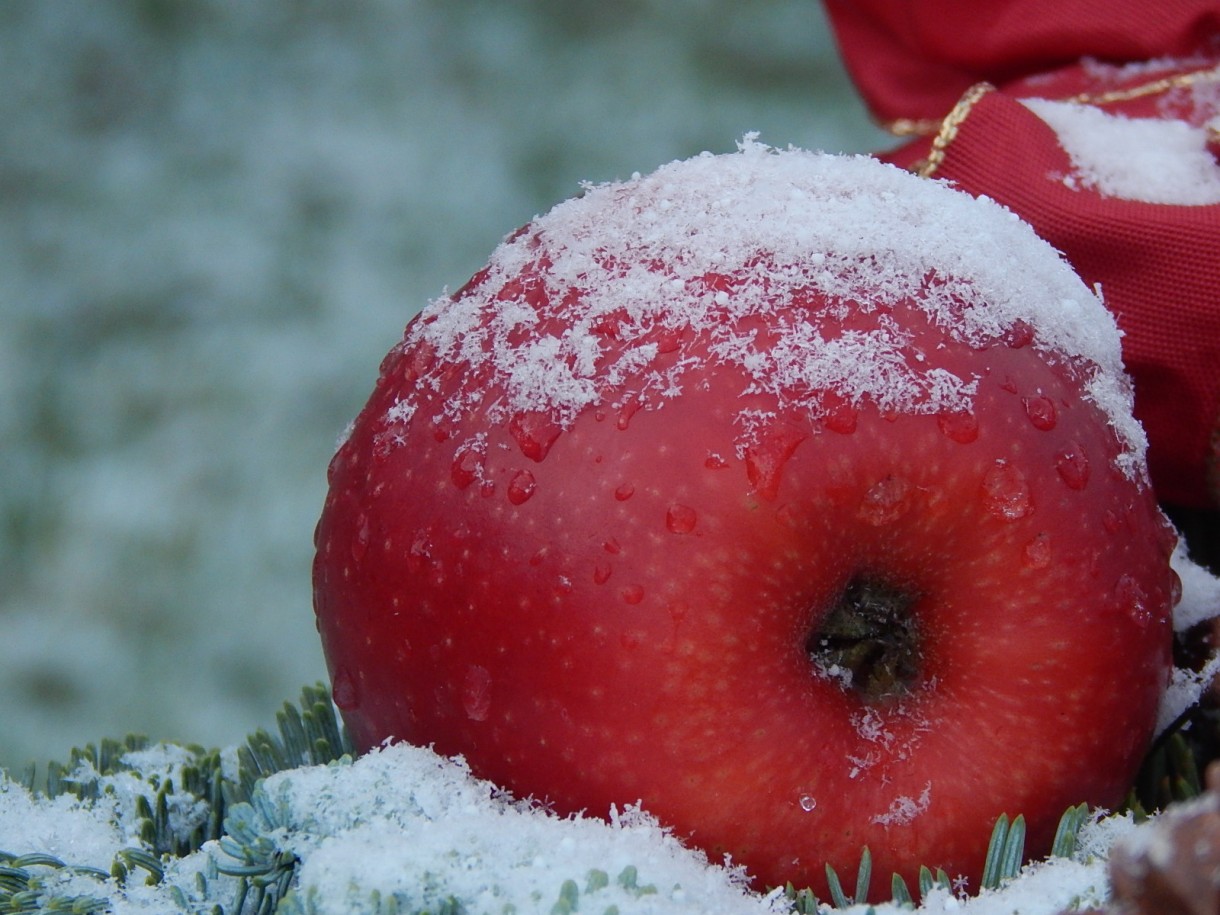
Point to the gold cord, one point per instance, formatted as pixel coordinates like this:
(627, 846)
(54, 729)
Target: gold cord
(1180, 81)
(946, 130)
(912, 127)
(949, 127)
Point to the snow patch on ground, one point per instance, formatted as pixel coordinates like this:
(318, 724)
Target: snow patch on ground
(400, 822)
(402, 817)
(403, 822)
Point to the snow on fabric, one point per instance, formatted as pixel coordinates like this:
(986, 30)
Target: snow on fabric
(709, 243)
(1153, 160)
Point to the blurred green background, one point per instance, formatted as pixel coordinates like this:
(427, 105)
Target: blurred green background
(215, 218)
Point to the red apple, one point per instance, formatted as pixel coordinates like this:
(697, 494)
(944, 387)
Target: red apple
(792, 495)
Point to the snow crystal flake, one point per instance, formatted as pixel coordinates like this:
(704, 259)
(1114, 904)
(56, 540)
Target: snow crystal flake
(904, 809)
(871, 727)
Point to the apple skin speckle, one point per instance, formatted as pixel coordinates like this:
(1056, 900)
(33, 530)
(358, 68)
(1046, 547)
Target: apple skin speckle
(624, 607)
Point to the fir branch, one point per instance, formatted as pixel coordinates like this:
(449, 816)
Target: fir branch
(1004, 861)
(929, 881)
(237, 813)
(248, 826)
(28, 884)
(900, 893)
(1068, 831)
(1005, 852)
(1169, 774)
(309, 735)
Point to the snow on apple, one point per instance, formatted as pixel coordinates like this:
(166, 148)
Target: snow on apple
(792, 496)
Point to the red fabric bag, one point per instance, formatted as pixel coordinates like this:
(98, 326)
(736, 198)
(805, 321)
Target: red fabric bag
(1098, 123)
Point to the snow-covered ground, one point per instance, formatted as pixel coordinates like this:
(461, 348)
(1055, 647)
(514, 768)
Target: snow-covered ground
(215, 218)
(403, 824)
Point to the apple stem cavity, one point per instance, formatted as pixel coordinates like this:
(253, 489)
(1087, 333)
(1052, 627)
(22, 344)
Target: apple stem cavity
(870, 640)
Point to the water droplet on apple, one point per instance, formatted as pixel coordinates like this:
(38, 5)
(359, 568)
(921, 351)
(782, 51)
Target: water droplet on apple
(521, 487)
(563, 586)
(601, 572)
(343, 690)
(680, 519)
(624, 492)
(535, 433)
(1037, 553)
(466, 468)
(1006, 492)
(626, 411)
(808, 802)
(631, 639)
(418, 554)
(1041, 412)
(476, 692)
(1073, 466)
(888, 500)
(765, 459)
(612, 546)
(1129, 598)
(1165, 535)
(1020, 335)
(360, 542)
(838, 413)
(715, 462)
(633, 594)
(789, 516)
(960, 425)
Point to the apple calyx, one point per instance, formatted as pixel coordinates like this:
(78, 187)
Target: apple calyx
(870, 640)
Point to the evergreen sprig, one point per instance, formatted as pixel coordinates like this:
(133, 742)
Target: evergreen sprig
(247, 822)
(1169, 774)
(309, 733)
